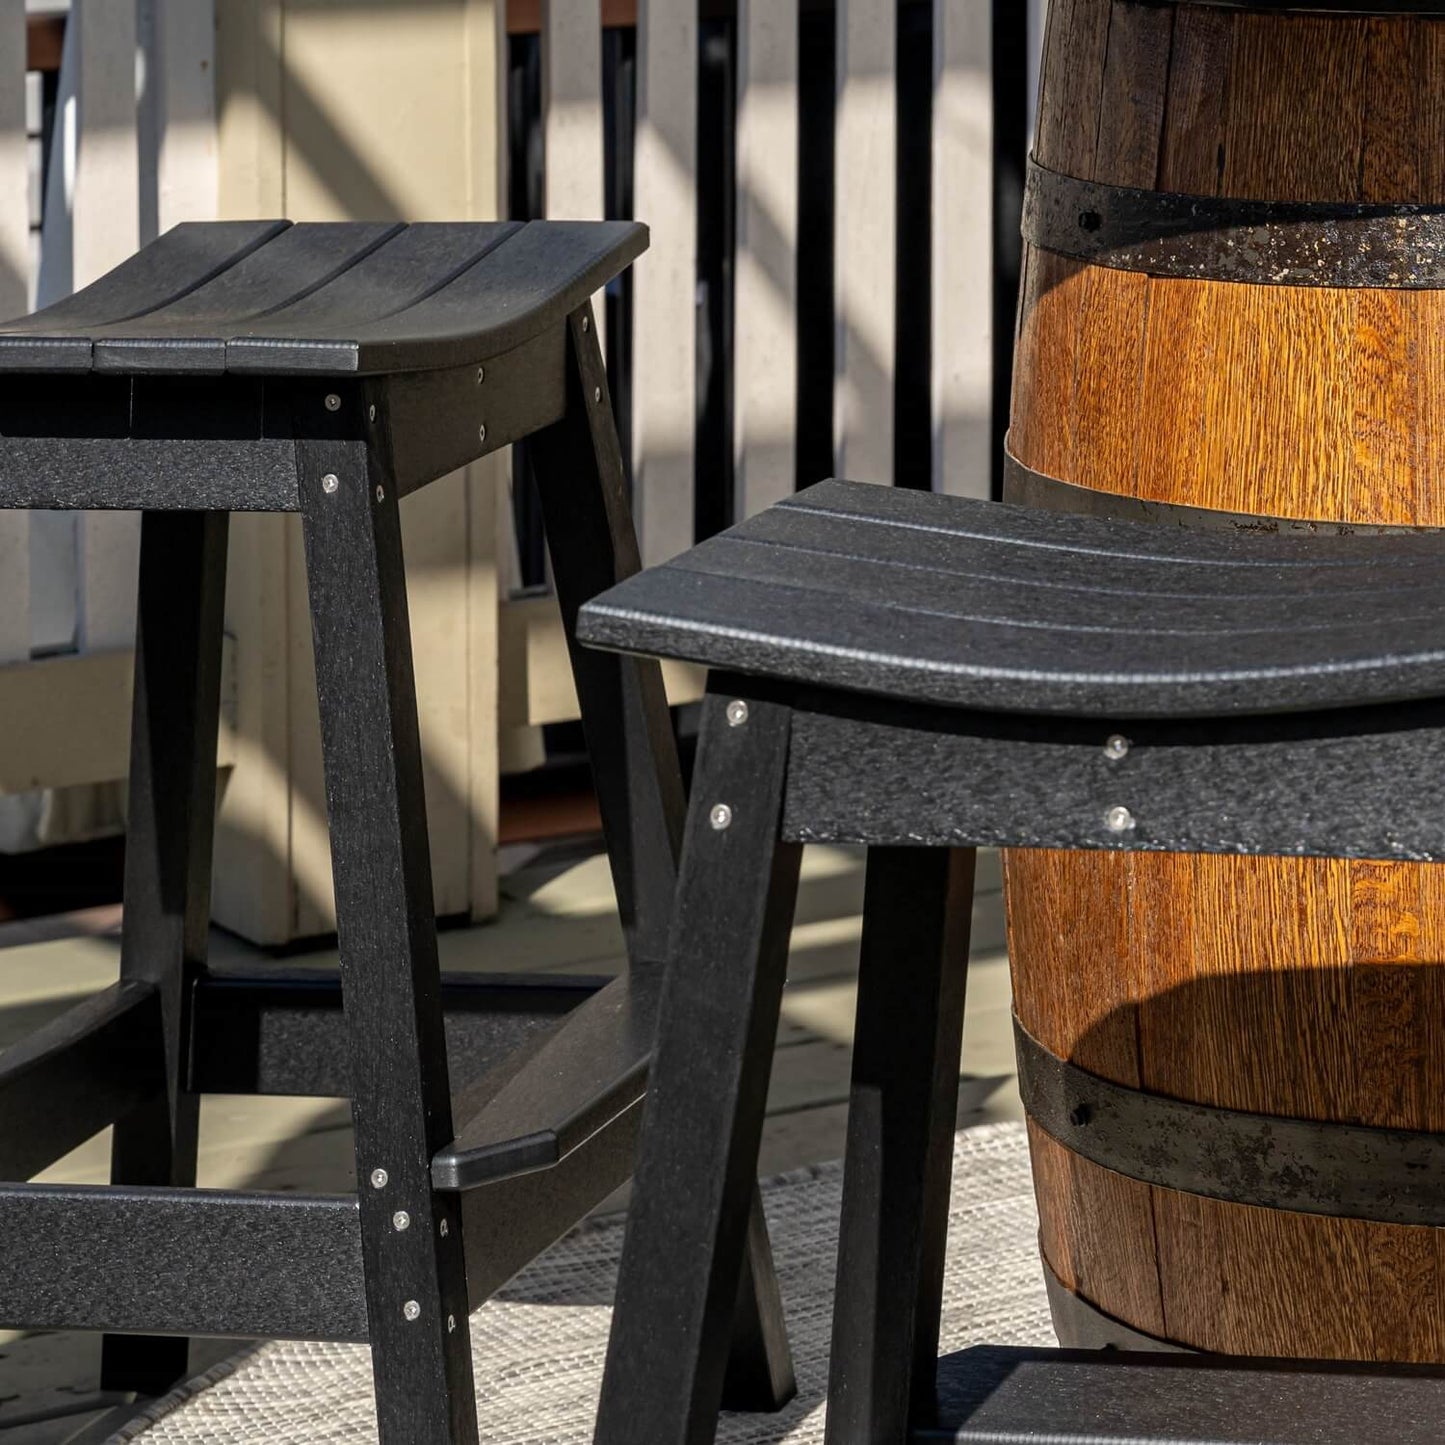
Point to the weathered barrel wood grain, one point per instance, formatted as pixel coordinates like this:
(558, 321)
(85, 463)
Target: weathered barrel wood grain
(1305, 988)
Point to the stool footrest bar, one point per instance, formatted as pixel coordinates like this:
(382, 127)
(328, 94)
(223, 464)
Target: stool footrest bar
(509, 1222)
(283, 1032)
(181, 1262)
(81, 1072)
(583, 1076)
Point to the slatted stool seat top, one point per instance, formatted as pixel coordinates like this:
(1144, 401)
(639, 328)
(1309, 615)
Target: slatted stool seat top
(937, 599)
(324, 298)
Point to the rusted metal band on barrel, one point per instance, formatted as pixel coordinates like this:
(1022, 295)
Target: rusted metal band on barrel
(1260, 243)
(1025, 487)
(1305, 1166)
(1080, 1325)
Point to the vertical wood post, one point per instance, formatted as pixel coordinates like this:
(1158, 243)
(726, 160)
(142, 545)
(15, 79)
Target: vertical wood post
(572, 114)
(664, 287)
(178, 176)
(14, 298)
(865, 239)
(105, 231)
(962, 247)
(436, 157)
(765, 335)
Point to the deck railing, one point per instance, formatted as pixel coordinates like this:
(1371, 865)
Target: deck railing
(832, 187)
(106, 138)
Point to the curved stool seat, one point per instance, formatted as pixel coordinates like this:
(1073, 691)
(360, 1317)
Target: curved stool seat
(975, 604)
(923, 674)
(325, 297)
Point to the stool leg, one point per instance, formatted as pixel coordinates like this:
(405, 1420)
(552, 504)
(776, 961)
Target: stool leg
(390, 976)
(635, 767)
(696, 1173)
(918, 905)
(168, 861)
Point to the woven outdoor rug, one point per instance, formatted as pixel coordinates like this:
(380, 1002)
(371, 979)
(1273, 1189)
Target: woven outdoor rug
(539, 1345)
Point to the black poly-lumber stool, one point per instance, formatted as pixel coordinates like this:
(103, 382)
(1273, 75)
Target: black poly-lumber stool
(924, 675)
(331, 369)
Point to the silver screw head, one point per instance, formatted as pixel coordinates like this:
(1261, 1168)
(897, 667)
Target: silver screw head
(737, 713)
(400, 1220)
(596, 393)
(451, 1324)
(482, 432)
(444, 1230)
(1118, 820)
(333, 402)
(587, 323)
(329, 483)
(1116, 747)
(411, 1309)
(720, 817)
(381, 494)
(379, 1178)
(481, 375)
(371, 413)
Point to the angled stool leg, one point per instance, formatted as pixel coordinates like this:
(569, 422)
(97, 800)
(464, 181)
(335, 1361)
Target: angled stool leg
(168, 861)
(687, 1229)
(624, 707)
(902, 1107)
(411, 1236)
(635, 767)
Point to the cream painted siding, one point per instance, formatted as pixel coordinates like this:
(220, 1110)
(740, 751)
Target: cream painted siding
(331, 110)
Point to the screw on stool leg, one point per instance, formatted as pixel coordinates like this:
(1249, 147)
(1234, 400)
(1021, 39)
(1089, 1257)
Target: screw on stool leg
(718, 1020)
(593, 542)
(390, 974)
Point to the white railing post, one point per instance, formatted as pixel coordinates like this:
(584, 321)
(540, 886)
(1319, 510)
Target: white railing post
(14, 300)
(178, 167)
(765, 331)
(664, 386)
(105, 229)
(962, 246)
(865, 239)
(572, 115)
(572, 108)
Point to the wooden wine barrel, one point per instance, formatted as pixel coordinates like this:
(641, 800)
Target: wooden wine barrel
(1233, 304)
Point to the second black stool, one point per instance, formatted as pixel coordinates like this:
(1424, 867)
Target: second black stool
(926, 675)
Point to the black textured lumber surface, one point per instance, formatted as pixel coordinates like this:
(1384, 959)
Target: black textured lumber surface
(1105, 1397)
(181, 1261)
(94, 1064)
(1357, 783)
(978, 604)
(327, 298)
(582, 1077)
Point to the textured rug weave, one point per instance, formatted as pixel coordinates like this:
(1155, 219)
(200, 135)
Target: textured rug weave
(539, 1345)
